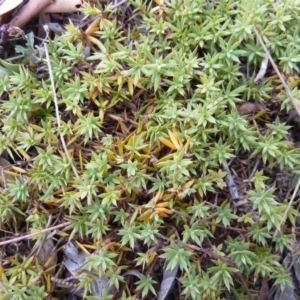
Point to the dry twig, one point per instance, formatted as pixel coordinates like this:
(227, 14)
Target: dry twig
(14, 240)
(277, 70)
(57, 111)
(289, 205)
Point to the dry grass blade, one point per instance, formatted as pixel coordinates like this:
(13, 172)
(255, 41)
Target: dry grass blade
(27, 236)
(57, 111)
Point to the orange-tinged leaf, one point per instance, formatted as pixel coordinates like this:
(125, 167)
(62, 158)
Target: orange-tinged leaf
(7, 172)
(157, 197)
(151, 258)
(124, 248)
(120, 257)
(49, 270)
(162, 204)
(174, 139)
(146, 215)
(58, 192)
(93, 27)
(20, 170)
(159, 2)
(124, 129)
(163, 210)
(87, 246)
(25, 155)
(145, 156)
(105, 22)
(137, 84)
(101, 25)
(188, 184)
(109, 245)
(128, 138)
(82, 247)
(171, 190)
(101, 114)
(50, 259)
(96, 41)
(187, 145)
(165, 158)
(93, 92)
(120, 81)
(179, 139)
(130, 87)
(162, 215)
(167, 143)
(80, 160)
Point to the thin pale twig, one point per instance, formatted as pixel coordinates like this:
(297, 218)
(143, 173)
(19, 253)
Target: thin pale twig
(277, 70)
(36, 249)
(57, 111)
(14, 240)
(289, 205)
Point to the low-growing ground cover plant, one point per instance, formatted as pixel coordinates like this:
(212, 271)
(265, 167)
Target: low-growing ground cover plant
(154, 148)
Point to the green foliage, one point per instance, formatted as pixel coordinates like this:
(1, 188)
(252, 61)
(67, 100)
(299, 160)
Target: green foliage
(150, 122)
(99, 262)
(225, 215)
(145, 285)
(176, 255)
(222, 273)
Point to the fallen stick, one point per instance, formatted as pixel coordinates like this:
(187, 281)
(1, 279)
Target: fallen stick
(17, 239)
(293, 100)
